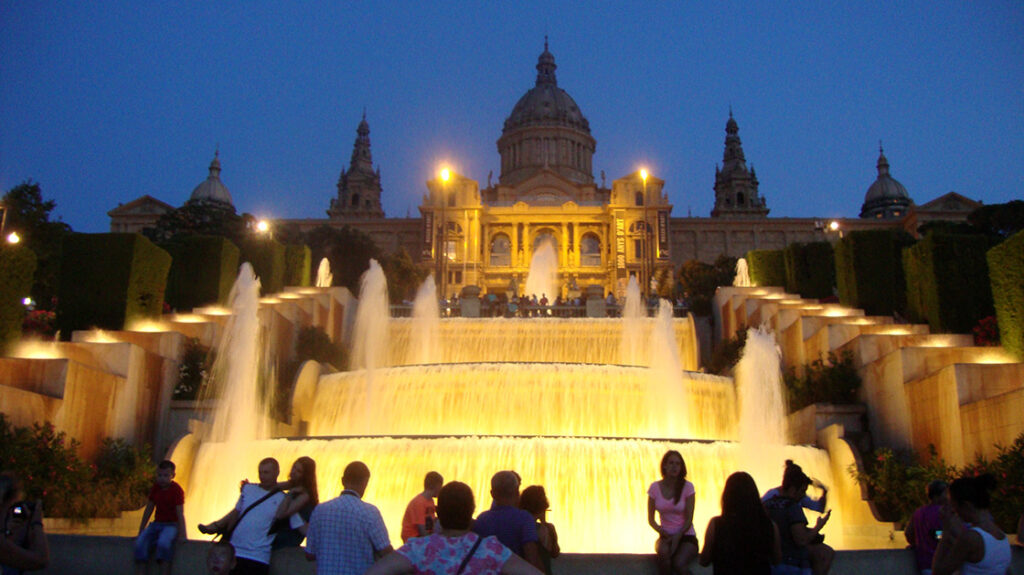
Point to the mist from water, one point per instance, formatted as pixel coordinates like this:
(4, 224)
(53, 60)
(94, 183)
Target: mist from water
(426, 324)
(324, 277)
(542, 279)
(633, 318)
(370, 334)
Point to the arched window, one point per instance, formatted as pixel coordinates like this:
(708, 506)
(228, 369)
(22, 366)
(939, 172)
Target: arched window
(739, 199)
(590, 251)
(451, 200)
(639, 198)
(501, 250)
(355, 200)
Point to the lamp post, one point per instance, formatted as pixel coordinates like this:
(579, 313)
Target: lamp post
(442, 249)
(646, 266)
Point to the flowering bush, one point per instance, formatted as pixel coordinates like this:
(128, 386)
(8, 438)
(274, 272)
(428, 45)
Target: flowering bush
(832, 381)
(50, 469)
(1008, 469)
(987, 331)
(194, 370)
(39, 323)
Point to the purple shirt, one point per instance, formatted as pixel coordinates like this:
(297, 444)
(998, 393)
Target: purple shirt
(926, 521)
(513, 527)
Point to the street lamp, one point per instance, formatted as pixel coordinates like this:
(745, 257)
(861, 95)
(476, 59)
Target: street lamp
(442, 251)
(13, 238)
(646, 264)
(835, 227)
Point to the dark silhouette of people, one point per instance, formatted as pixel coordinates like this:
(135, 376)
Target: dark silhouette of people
(743, 539)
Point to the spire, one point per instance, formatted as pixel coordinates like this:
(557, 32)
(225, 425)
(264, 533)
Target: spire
(883, 162)
(362, 160)
(215, 164)
(546, 66)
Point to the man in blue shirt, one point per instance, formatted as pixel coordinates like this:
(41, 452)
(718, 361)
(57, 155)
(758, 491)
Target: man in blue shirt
(512, 526)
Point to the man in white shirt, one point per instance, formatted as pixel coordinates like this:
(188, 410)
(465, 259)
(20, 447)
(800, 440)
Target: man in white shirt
(251, 518)
(346, 535)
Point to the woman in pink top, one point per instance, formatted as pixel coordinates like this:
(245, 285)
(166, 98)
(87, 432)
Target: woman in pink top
(673, 499)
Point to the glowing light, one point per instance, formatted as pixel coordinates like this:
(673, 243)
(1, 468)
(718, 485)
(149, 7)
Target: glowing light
(37, 350)
(445, 174)
(212, 310)
(28, 301)
(187, 318)
(270, 300)
(263, 226)
(643, 175)
(833, 225)
(146, 325)
(13, 238)
(99, 336)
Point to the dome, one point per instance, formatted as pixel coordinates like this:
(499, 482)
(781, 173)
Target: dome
(886, 198)
(212, 189)
(546, 104)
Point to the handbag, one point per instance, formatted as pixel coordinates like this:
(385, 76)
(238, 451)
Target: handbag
(465, 561)
(225, 535)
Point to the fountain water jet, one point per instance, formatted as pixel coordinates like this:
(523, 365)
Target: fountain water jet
(369, 342)
(633, 316)
(426, 323)
(742, 277)
(542, 278)
(324, 277)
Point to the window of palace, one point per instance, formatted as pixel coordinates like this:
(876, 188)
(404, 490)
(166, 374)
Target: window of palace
(590, 251)
(501, 251)
(639, 198)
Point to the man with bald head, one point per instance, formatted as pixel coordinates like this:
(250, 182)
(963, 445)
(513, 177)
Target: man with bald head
(512, 526)
(346, 535)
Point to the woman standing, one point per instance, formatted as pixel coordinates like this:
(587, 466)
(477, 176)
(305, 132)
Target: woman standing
(302, 498)
(743, 539)
(971, 541)
(535, 501)
(673, 498)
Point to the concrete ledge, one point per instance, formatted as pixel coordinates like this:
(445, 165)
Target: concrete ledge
(84, 555)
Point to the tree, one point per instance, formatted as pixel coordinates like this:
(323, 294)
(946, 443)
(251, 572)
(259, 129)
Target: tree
(404, 276)
(200, 217)
(699, 281)
(347, 249)
(29, 215)
(1000, 219)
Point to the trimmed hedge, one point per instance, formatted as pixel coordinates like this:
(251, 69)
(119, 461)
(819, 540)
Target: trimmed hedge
(202, 271)
(109, 279)
(267, 258)
(17, 267)
(810, 269)
(297, 262)
(767, 267)
(869, 270)
(947, 281)
(1006, 271)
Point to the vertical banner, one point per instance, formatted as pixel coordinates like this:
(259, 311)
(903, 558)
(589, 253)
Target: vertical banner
(662, 234)
(428, 232)
(620, 245)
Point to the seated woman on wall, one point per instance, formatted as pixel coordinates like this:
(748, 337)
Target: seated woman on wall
(302, 498)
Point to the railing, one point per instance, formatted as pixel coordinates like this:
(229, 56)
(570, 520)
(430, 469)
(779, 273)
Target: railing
(503, 309)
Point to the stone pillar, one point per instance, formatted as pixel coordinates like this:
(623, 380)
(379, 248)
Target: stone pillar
(469, 301)
(595, 301)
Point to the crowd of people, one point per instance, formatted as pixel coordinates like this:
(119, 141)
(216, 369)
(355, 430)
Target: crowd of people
(534, 306)
(754, 534)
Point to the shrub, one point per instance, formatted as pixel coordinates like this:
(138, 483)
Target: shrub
(767, 267)
(194, 370)
(698, 282)
(297, 262)
(1006, 271)
(810, 269)
(986, 333)
(40, 323)
(832, 381)
(267, 259)
(947, 281)
(17, 266)
(869, 270)
(897, 481)
(50, 469)
(202, 271)
(108, 279)
(727, 353)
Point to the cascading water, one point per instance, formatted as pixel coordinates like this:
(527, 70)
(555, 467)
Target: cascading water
(236, 377)
(369, 342)
(761, 404)
(633, 316)
(324, 277)
(542, 279)
(426, 324)
(742, 277)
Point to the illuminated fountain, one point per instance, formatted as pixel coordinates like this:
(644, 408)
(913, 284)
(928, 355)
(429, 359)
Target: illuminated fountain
(553, 399)
(542, 279)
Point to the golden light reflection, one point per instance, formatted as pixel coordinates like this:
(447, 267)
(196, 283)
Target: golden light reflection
(146, 326)
(99, 336)
(212, 310)
(270, 300)
(993, 355)
(30, 349)
(187, 318)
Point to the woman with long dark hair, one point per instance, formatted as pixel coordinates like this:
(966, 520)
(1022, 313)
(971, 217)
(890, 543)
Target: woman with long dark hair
(673, 498)
(534, 500)
(743, 539)
(302, 498)
(971, 541)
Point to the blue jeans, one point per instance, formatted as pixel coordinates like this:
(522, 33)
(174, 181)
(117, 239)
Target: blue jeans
(784, 569)
(161, 535)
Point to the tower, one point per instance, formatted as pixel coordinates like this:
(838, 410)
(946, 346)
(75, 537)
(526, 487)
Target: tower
(359, 186)
(735, 186)
(886, 198)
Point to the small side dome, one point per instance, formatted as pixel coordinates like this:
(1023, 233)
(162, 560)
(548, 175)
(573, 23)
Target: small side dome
(886, 198)
(212, 189)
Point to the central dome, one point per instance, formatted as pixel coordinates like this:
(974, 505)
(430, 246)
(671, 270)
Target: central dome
(546, 130)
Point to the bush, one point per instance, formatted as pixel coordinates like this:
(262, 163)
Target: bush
(1006, 272)
(767, 267)
(109, 279)
(40, 323)
(810, 269)
(947, 281)
(698, 282)
(194, 370)
(297, 262)
(869, 270)
(1008, 469)
(50, 469)
(17, 266)
(203, 269)
(986, 333)
(267, 259)
(897, 482)
(832, 381)
(727, 353)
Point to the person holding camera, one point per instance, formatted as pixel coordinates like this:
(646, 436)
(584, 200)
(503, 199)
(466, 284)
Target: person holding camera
(24, 544)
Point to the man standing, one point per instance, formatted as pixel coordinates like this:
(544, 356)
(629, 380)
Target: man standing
(421, 512)
(512, 526)
(347, 534)
(250, 521)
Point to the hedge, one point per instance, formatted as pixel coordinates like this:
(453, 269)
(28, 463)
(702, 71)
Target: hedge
(17, 267)
(267, 258)
(947, 281)
(810, 269)
(297, 262)
(109, 279)
(1006, 271)
(202, 271)
(766, 267)
(869, 270)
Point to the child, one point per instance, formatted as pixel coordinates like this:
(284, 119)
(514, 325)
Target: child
(220, 560)
(168, 526)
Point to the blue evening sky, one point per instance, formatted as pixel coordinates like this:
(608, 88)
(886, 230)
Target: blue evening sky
(102, 102)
